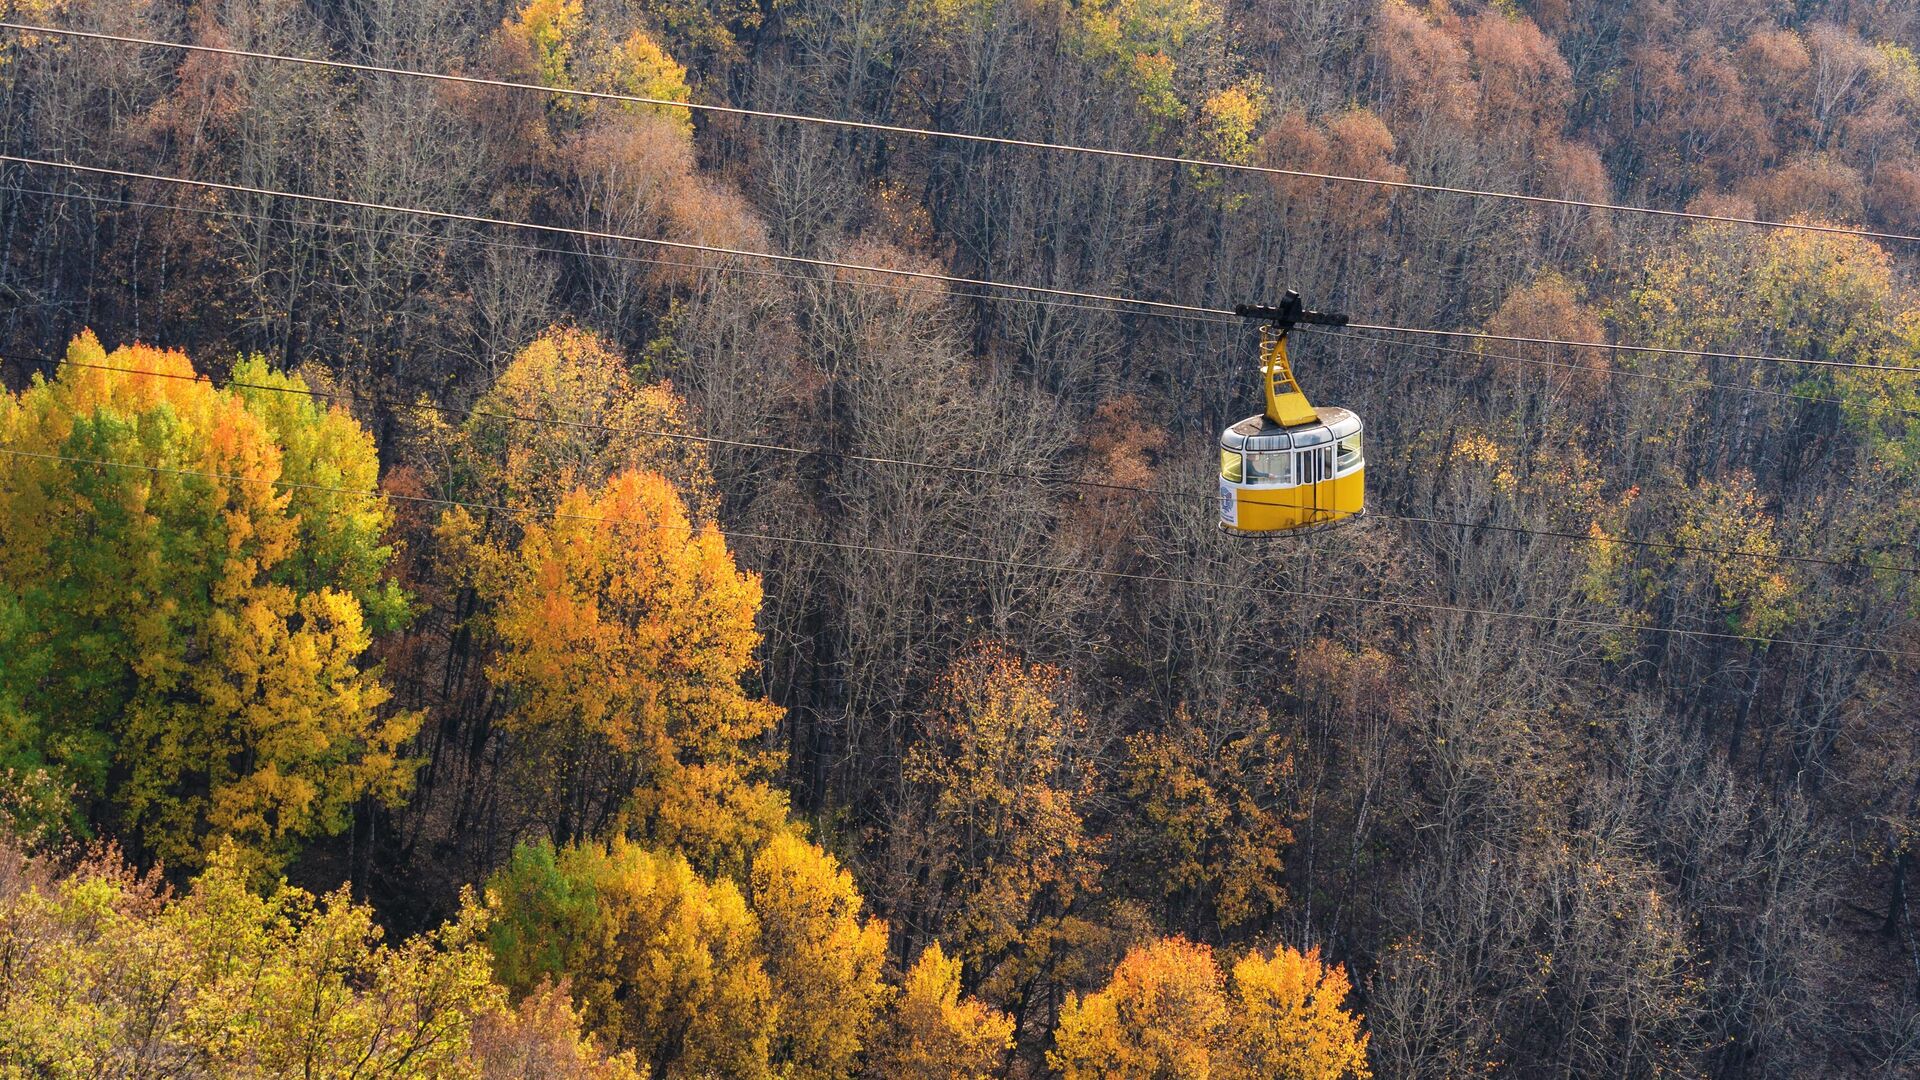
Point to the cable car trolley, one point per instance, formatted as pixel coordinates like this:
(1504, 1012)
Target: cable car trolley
(1294, 469)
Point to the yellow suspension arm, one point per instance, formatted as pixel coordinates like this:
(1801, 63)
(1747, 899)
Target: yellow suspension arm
(1286, 404)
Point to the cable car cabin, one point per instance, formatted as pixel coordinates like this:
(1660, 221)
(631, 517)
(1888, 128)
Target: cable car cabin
(1294, 468)
(1280, 479)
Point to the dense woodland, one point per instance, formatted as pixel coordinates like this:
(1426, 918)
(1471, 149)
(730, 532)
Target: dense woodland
(613, 738)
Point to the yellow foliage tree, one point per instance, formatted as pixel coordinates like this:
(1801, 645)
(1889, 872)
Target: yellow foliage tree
(700, 979)
(1205, 824)
(173, 616)
(613, 423)
(662, 961)
(43, 12)
(542, 1039)
(623, 634)
(566, 50)
(1142, 43)
(326, 458)
(1815, 295)
(1754, 595)
(824, 961)
(1230, 118)
(106, 975)
(936, 1034)
(1288, 1019)
(547, 29)
(1226, 129)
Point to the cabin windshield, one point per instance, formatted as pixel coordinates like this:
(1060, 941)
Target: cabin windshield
(1230, 466)
(1349, 457)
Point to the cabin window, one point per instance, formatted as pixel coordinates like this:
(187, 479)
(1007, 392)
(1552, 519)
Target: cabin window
(1274, 468)
(1230, 466)
(1349, 457)
(1313, 465)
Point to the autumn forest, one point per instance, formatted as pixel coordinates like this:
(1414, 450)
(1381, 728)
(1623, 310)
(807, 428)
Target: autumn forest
(480, 643)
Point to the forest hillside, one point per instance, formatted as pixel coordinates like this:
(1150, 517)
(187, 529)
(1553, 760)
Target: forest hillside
(462, 613)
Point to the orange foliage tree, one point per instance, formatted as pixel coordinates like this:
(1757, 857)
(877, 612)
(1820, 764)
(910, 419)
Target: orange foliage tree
(1162, 1014)
(1167, 1012)
(623, 634)
(1550, 307)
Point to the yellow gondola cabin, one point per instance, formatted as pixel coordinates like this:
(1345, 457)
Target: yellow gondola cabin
(1294, 468)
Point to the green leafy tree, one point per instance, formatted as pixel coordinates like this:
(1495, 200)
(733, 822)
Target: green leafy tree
(182, 634)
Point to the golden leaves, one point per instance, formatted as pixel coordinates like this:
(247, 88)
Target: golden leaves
(1756, 591)
(1289, 1019)
(624, 634)
(568, 52)
(824, 961)
(125, 979)
(936, 1034)
(693, 974)
(1208, 824)
(612, 424)
(1004, 776)
(1161, 1015)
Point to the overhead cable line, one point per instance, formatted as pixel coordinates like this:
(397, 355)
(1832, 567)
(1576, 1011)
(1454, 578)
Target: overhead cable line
(1119, 303)
(1609, 369)
(981, 560)
(931, 133)
(1481, 335)
(611, 256)
(1150, 306)
(967, 470)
